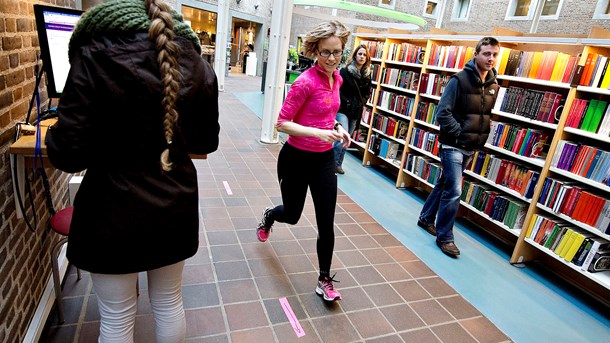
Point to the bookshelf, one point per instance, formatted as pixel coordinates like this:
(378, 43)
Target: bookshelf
(541, 109)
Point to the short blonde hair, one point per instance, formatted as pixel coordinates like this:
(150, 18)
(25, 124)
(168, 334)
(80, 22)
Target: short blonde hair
(323, 31)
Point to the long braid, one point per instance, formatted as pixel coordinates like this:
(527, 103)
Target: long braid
(161, 32)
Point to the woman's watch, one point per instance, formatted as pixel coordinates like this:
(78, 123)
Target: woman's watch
(336, 127)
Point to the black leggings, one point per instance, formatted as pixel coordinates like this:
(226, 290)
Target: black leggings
(298, 169)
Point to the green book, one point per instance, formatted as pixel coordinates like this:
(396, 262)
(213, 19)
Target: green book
(597, 116)
(589, 115)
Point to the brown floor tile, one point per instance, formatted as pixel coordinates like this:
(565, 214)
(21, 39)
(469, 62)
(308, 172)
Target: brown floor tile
(297, 264)
(274, 287)
(209, 339)
(253, 335)
(366, 275)
(387, 240)
(401, 254)
(200, 295)
(237, 291)
(204, 322)
(402, 317)
(385, 339)
(411, 290)
(287, 248)
(364, 242)
(336, 329)
(350, 206)
(392, 272)
(352, 229)
(370, 323)
(484, 330)
(202, 273)
(383, 294)
(372, 228)
(309, 245)
(286, 334)
(304, 282)
(89, 332)
(377, 255)
(343, 218)
(145, 329)
(246, 316)
(225, 253)
(214, 212)
(351, 258)
(436, 286)
(417, 269)
(343, 243)
(222, 238)
(232, 270)
(420, 336)
(201, 257)
(276, 313)
(315, 306)
(218, 224)
(355, 299)
(247, 235)
(431, 312)
(459, 307)
(266, 267)
(452, 333)
(258, 250)
(303, 232)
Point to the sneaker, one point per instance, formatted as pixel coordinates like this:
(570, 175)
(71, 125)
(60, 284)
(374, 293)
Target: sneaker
(340, 170)
(430, 228)
(264, 227)
(449, 248)
(326, 289)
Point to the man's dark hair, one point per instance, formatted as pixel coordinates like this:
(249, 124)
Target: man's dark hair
(486, 41)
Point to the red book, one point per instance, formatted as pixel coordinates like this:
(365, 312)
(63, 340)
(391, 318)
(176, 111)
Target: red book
(574, 115)
(544, 105)
(501, 171)
(570, 190)
(546, 223)
(596, 209)
(569, 209)
(588, 161)
(569, 69)
(490, 202)
(588, 71)
(583, 208)
(554, 113)
(579, 159)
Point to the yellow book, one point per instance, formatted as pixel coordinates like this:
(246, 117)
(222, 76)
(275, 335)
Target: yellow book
(469, 194)
(469, 54)
(503, 60)
(474, 160)
(560, 66)
(535, 64)
(528, 232)
(578, 239)
(566, 243)
(485, 163)
(605, 80)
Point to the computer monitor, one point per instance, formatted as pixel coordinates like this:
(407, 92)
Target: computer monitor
(55, 26)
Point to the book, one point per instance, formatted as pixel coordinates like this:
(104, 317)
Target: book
(599, 244)
(600, 262)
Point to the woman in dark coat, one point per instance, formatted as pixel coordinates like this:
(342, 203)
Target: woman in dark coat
(355, 90)
(138, 100)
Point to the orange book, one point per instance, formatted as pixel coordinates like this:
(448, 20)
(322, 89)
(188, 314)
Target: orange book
(535, 64)
(589, 161)
(525, 181)
(588, 70)
(582, 207)
(543, 227)
(596, 209)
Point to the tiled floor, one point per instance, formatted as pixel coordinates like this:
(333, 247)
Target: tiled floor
(233, 285)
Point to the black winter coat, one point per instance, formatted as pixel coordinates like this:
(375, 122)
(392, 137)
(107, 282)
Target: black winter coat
(351, 103)
(129, 215)
(464, 111)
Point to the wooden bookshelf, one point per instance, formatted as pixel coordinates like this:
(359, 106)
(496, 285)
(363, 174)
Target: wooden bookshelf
(438, 54)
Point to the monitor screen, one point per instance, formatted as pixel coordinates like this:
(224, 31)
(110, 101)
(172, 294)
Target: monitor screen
(55, 26)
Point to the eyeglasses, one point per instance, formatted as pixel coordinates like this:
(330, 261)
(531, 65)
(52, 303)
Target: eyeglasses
(326, 53)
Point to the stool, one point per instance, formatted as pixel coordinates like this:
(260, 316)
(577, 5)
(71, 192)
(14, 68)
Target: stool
(60, 223)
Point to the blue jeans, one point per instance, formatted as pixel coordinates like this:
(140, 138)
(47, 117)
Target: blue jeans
(349, 125)
(445, 197)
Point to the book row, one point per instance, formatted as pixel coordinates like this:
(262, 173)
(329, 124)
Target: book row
(594, 71)
(587, 161)
(424, 140)
(590, 115)
(530, 103)
(450, 56)
(505, 173)
(424, 168)
(433, 84)
(390, 126)
(405, 52)
(521, 141)
(375, 48)
(542, 65)
(580, 205)
(385, 148)
(426, 111)
(399, 78)
(502, 208)
(398, 103)
(569, 243)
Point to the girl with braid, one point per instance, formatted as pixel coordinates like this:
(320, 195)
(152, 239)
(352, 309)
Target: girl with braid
(138, 103)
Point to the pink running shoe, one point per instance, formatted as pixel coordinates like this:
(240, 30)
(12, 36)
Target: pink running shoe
(326, 289)
(264, 227)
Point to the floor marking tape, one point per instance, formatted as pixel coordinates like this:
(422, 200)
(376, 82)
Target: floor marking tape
(292, 318)
(227, 188)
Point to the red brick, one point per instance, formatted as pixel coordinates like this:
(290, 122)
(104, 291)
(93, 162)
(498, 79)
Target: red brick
(25, 25)
(13, 60)
(11, 43)
(2, 82)
(2, 27)
(18, 93)
(9, 7)
(28, 56)
(4, 63)
(19, 111)
(10, 25)
(6, 99)
(15, 78)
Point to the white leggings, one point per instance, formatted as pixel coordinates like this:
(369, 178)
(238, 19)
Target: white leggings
(117, 302)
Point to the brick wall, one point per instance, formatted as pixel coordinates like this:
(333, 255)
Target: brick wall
(24, 255)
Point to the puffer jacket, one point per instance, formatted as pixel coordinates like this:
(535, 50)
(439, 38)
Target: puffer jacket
(129, 215)
(464, 111)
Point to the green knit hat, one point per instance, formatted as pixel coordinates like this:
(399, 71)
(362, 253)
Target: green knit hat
(120, 16)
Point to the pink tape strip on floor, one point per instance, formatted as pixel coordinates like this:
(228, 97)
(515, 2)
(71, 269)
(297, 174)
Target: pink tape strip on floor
(227, 188)
(292, 318)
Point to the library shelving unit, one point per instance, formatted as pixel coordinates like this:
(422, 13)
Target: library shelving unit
(542, 178)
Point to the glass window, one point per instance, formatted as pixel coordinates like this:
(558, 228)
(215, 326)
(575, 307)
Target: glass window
(431, 9)
(387, 3)
(460, 9)
(550, 7)
(602, 10)
(522, 8)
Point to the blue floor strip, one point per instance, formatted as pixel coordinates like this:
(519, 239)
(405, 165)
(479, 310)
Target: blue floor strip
(526, 303)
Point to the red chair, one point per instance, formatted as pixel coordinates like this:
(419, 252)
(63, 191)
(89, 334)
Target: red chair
(60, 223)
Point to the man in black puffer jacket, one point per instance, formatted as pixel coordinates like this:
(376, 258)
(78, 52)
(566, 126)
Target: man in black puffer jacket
(464, 117)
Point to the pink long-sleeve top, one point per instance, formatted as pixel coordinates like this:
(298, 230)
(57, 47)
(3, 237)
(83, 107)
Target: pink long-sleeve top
(312, 102)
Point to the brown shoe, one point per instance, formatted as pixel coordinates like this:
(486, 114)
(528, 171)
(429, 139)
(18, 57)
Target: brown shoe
(449, 248)
(430, 228)
(340, 171)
